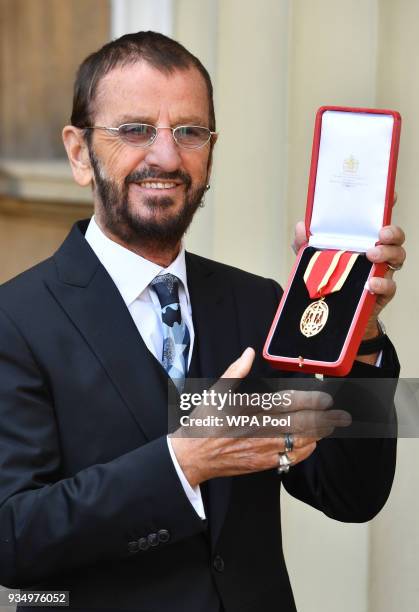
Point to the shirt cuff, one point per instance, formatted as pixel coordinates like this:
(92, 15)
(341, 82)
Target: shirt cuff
(193, 494)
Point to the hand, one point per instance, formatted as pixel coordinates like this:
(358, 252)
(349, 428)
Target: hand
(211, 457)
(390, 251)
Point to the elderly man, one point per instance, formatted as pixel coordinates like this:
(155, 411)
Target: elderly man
(94, 497)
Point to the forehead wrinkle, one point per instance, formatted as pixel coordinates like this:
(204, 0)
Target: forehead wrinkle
(152, 92)
(148, 119)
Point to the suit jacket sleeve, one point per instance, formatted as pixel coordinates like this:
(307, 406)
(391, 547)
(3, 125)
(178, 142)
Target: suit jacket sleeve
(47, 523)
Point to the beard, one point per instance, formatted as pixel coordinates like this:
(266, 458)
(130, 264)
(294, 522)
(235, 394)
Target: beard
(158, 228)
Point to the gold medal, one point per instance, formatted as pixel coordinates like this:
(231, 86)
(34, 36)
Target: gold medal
(314, 318)
(326, 273)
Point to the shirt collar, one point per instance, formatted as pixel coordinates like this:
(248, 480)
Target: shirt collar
(130, 272)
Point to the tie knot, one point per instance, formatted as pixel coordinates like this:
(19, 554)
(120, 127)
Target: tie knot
(167, 288)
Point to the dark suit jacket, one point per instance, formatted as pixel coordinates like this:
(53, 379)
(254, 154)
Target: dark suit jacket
(85, 472)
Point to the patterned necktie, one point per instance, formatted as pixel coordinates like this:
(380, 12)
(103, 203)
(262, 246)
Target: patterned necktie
(176, 339)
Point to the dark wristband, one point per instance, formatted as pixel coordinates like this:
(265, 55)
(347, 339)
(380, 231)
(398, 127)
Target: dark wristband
(375, 345)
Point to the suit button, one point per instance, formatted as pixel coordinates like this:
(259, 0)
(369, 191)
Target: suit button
(133, 547)
(143, 544)
(163, 535)
(153, 539)
(218, 563)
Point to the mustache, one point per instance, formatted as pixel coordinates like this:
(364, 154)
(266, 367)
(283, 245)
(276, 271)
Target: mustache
(150, 173)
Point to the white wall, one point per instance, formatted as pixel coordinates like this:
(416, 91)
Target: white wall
(395, 533)
(133, 15)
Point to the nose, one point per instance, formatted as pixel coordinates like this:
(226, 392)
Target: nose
(164, 152)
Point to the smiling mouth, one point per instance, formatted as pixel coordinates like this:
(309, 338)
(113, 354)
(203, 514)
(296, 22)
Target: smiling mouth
(157, 184)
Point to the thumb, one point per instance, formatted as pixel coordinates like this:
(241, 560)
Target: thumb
(300, 237)
(242, 366)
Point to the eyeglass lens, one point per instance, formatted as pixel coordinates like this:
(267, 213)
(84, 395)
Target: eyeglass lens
(142, 135)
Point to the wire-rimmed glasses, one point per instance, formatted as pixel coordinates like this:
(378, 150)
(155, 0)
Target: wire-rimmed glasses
(143, 134)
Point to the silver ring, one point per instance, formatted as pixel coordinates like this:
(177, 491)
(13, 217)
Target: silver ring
(284, 463)
(395, 268)
(289, 442)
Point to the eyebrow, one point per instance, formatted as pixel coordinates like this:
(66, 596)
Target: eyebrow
(184, 120)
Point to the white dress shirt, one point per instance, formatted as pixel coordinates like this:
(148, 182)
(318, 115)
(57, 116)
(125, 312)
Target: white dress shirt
(132, 275)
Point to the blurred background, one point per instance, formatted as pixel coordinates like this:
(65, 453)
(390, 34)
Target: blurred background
(273, 63)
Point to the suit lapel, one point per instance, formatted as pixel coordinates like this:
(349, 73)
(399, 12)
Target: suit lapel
(89, 297)
(214, 316)
(215, 322)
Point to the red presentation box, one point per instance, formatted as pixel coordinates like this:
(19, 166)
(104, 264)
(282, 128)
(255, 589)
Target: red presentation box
(350, 197)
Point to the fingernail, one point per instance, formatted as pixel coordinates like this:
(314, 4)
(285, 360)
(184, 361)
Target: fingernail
(345, 420)
(374, 253)
(325, 400)
(339, 418)
(370, 289)
(387, 234)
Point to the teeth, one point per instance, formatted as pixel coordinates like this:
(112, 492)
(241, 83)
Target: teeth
(150, 185)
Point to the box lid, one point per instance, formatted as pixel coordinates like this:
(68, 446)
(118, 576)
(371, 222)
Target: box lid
(352, 175)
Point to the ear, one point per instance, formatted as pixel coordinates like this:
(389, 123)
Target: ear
(78, 155)
(214, 138)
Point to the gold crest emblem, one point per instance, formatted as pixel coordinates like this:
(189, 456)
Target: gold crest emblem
(350, 164)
